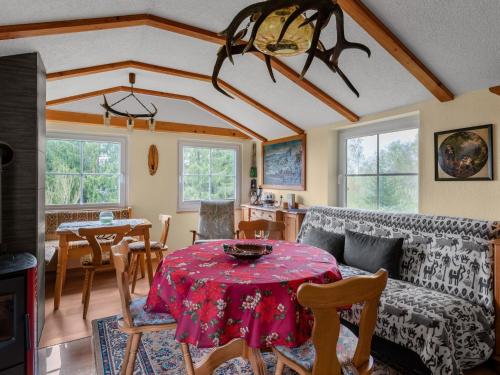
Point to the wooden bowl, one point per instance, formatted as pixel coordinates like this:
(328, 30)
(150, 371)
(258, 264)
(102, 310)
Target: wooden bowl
(247, 251)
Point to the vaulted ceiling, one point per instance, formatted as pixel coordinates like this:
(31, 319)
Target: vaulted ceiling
(456, 41)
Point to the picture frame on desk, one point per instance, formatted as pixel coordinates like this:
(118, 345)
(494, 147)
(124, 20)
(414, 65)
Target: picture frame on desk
(284, 163)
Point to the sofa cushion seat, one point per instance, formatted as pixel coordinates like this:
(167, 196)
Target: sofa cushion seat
(448, 333)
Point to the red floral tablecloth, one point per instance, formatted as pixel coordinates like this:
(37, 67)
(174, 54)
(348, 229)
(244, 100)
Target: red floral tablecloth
(216, 298)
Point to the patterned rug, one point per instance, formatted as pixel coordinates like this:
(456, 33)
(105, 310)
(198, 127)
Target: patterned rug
(159, 353)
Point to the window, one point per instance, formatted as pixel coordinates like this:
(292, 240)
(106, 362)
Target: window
(379, 166)
(208, 171)
(84, 171)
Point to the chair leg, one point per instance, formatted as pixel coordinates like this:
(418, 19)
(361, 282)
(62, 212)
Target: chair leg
(188, 361)
(85, 285)
(87, 294)
(132, 265)
(134, 346)
(133, 260)
(143, 265)
(159, 256)
(126, 355)
(280, 366)
(136, 271)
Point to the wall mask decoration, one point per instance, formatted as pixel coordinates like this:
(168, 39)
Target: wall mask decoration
(284, 163)
(153, 159)
(464, 154)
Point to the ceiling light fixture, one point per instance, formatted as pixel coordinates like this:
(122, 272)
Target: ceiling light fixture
(150, 115)
(283, 28)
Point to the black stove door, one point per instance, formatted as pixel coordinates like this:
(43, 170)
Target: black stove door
(12, 322)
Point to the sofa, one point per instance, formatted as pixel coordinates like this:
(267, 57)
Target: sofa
(442, 306)
(53, 218)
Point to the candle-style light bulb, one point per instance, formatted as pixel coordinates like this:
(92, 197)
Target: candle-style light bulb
(107, 118)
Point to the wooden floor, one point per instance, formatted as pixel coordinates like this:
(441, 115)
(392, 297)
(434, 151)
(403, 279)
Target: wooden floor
(67, 323)
(66, 346)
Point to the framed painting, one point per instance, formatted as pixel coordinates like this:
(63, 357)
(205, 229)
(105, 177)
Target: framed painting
(464, 154)
(284, 163)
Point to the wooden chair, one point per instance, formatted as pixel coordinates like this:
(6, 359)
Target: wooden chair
(215, 222)
(99, 258)
(135, 321)
(329, 336)
(138, 249)
(265, 229)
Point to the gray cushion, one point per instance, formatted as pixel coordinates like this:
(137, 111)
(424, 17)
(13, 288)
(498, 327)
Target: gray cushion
(329, 241)
(370, 253)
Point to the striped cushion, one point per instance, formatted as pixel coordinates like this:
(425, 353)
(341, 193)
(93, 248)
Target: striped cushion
(86, 260)
(138, 246)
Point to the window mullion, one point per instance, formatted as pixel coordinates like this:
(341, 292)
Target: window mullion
(81, 172)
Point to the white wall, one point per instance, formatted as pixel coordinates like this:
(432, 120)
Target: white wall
(152, 195)
(474, 199)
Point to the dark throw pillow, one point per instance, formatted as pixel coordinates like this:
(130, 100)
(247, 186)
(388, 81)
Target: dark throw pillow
(370, 253)
(331, 242)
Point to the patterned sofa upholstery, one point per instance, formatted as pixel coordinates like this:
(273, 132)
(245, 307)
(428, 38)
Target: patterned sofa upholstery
(442, 308)
(53, 218)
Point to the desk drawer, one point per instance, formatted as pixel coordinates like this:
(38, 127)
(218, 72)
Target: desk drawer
(261, 214)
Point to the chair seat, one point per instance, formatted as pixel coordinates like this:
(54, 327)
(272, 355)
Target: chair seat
(138, 246)
(86, 260)
(140, 317)
(305, 354)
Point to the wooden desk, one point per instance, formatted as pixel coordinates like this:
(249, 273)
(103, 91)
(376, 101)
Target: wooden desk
(68, 232)
(292, 220)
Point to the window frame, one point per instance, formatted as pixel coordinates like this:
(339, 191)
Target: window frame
(400, 123)
(123, 168)
(191, 206)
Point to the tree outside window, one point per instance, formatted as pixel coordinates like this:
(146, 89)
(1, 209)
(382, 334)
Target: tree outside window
(83, 172)
(382, 171)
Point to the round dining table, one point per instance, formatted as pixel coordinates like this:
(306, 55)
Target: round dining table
(239, 307)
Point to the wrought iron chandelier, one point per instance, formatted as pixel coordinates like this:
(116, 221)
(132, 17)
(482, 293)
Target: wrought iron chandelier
(149, 115)
(284, 28)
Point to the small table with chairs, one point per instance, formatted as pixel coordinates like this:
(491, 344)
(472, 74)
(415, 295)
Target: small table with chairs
(70, 231)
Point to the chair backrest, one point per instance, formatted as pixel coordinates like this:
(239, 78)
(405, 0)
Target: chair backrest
(53, 218)
(93, 235)
(272, 230)
(216, 220)
(120, 260)
(165, 226)
(324, 300)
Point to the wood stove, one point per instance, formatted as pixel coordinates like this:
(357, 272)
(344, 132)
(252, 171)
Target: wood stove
(18, 314)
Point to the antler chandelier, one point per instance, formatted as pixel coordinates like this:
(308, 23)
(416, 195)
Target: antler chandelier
(283, 28)
(149, 115)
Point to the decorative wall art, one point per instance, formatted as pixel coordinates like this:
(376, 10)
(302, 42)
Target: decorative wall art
(464, 154)
(284, 163)
(153, 159)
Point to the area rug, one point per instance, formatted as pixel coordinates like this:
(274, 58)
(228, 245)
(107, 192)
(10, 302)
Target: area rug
(159, 353)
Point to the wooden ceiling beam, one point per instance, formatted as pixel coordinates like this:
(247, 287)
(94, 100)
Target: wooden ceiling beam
(162, 94)
(495, 90)
(390, 42)
(106, 23)
(161, 126)
(178, 73)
